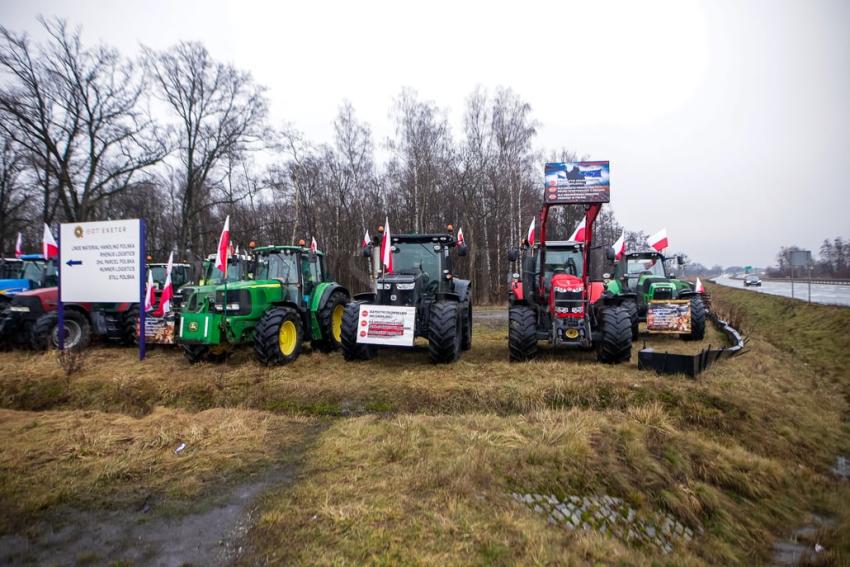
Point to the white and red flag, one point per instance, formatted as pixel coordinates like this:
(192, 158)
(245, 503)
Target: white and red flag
(313, 245)
(460, 239)
(49, 249)
(530, 236)
(387, 249)
(19, 246)
(149, 291)
(167, 290)
(366, 239)
(578, 234)
(223, 246)
(699, 288)
(659, 240)
(620, 246)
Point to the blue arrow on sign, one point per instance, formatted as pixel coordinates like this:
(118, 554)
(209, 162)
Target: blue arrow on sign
(74, 262)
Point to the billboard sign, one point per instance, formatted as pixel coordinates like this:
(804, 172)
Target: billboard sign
(386, 325)
(577, 182)
(801, 258)
(669, 316)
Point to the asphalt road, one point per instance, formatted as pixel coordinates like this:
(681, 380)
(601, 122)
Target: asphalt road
(821, 293)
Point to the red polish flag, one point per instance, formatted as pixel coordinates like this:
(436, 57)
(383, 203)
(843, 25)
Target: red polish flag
(460, 239)
(366, 239)
(530, 236)
(620, 246)
(19, 246)
(699, 288)
(167, 290)
(49, 249)
(578, 234)
(313, 245)
(149, 291)
(387, 249)
(223, 245)
(659, 240)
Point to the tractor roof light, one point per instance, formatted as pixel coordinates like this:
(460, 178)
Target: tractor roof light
(381, 228)
(450, 228)
(252, 245)
(302, 243)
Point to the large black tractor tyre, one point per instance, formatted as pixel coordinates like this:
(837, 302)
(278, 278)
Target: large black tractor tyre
(697, 320)
(351, 349)
(466, 338)
(195, 353)
(631, 306)
(45, 332)
(522, 333)
(131, 320)
(615, 346)
(278, 336)
(445, 332)
(330, 317)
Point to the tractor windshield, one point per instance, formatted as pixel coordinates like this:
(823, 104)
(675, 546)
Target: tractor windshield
(277, 266)
(563, 261)
(35, 271)
(10, 270)
(213, 275)
(158, 273)
(645, 266)
(408, 257)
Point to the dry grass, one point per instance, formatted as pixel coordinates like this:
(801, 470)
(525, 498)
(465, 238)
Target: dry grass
(418, 460)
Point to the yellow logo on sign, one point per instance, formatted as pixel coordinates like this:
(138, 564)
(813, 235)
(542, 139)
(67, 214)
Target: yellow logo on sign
(78, 232)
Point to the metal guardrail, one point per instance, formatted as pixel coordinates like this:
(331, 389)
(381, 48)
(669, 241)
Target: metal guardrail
(692, 364)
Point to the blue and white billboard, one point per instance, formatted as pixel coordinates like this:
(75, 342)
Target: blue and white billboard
(577, 182)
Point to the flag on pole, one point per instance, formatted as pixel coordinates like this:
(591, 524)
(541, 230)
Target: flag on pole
(19, 246)
(699, 288)
(387, 249)
(223, 245)
(460, 239)
(167, 290)
(49, 249)
(149, 292)
(366, 239)
(620, 246)
(313, 245)
(530, 236)
(578, 234)
(659, 240)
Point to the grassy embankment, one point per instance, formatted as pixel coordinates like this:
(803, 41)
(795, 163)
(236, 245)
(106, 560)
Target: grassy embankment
(416, 463)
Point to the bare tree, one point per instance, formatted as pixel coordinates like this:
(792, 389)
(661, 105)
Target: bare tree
(76, 111)
(13, 199)
(220, 112)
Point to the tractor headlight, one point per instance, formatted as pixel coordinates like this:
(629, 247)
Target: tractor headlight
(19, 308)
(405, 286)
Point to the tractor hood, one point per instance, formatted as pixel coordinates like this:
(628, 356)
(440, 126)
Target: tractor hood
(11, 287)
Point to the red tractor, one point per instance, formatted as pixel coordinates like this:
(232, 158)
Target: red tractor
(551, 296)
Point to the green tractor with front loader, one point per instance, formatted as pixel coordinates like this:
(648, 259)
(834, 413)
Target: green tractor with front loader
(655, 296)
(284, 298)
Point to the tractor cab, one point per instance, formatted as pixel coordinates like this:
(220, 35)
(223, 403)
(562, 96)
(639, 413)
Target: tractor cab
(10, 268)
(32, 271)
(238, 268)
(649, 275)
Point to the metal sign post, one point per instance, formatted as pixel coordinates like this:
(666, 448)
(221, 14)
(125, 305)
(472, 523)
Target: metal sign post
(142, 290)
(801, 259)
(60, 308)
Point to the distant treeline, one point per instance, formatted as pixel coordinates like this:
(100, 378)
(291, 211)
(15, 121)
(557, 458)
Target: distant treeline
(831, 261)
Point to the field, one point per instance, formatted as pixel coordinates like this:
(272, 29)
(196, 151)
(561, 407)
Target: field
(396, 461)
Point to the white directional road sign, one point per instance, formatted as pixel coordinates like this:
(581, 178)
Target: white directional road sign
(101, 261)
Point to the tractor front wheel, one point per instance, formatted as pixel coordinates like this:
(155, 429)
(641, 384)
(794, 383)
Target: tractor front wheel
(45, 331)
(278, 336)
(131, 322)
(445, 330)
(522, 333)
(195, 353)
(351, 349)
(697, 320)
(330, 322)
(616, 343)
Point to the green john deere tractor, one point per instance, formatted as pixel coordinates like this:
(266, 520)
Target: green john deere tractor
(284, 298)
(645, 279)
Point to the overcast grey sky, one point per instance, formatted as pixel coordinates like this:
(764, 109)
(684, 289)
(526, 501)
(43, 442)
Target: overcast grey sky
(727, 122)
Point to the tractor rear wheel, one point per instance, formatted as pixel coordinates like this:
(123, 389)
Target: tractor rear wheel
(522, 333)
(445, 330)
(330, 322)
(616, 343)
(631, 307)
(466, 340)
(697, 320)
(351, 349)
(45, 332)
(278, 336)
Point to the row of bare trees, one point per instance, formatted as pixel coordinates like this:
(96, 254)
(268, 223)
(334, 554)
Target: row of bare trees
(175, 137)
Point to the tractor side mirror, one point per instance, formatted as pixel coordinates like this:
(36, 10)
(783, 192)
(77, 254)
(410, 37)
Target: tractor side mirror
(366, 251)
(610, 255)
(462, 250)
(680, 260)
(513, 255)
(312, 258)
